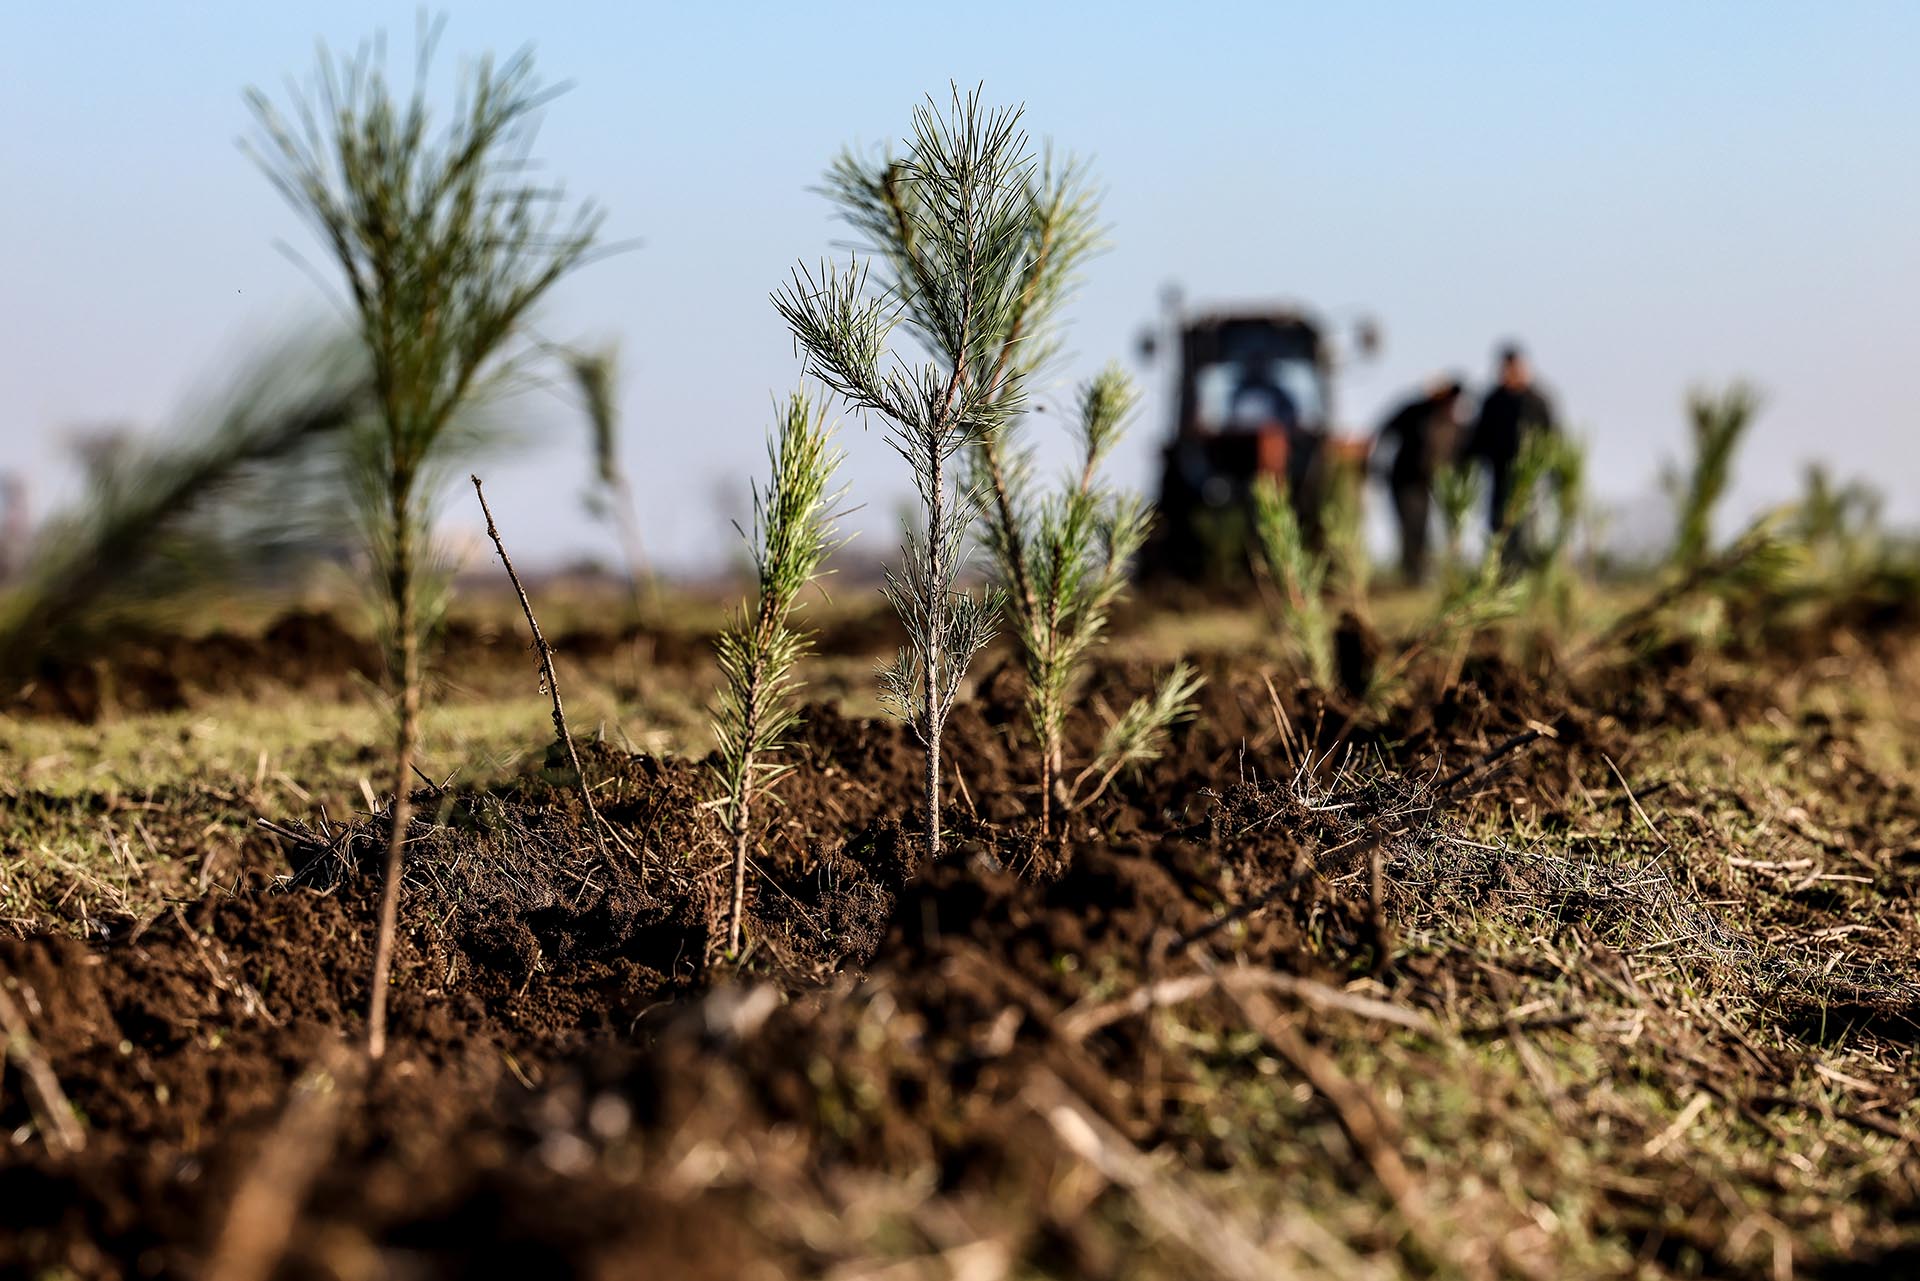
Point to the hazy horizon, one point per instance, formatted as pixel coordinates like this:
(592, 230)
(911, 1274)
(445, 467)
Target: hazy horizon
(1649, 199)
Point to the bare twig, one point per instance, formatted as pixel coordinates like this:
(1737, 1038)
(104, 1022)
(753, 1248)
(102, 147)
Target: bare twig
(547, 675)
(1633, 800)
(1688, 1115)
(1361, 1117)
(1084, 1020)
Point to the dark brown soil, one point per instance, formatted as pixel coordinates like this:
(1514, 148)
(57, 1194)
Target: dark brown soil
(580, 1086)
(159, 671)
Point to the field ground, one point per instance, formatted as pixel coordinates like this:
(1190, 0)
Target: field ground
(1541, 964)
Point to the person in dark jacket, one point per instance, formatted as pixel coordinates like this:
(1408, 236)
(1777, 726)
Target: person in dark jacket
(1511, 411)
(1424, 433)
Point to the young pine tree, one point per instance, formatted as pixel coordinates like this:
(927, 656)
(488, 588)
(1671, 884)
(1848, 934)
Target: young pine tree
(1718, 422)
(792, 533)
(1059, 230)
(1544, 507)
(595, 377)
(1299, 574)
(967, 173)
(1060, 558)
(1459, 488)
(1075, 548)
(445, 240)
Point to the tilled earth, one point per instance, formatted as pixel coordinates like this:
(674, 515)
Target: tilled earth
(1484, 978)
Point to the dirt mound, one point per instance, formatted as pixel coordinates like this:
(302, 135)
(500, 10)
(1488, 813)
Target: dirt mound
(158, 672)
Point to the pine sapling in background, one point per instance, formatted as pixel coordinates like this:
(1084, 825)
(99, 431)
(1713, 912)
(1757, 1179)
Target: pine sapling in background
(252, 477)
(1459, 488)
(966, 173)
(1555, 466)
(1718, 421)
(595, 377)
(1298, 575)
(792, 533)
(1343, 526)
(1841, 526)
(445, 241)
(1077, 545)
(1525, 562)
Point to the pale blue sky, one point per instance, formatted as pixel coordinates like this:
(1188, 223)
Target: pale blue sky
(1647, 194)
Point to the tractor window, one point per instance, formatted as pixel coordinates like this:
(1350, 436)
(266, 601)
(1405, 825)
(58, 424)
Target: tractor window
(1246, 394)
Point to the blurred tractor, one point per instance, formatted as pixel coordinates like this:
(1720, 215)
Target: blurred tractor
(1253, 398)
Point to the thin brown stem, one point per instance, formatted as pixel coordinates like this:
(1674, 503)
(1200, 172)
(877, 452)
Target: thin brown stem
(742, 799)
(403, 592)
(737, 911)
(936, 625)
(544, 652)
(1046, 792)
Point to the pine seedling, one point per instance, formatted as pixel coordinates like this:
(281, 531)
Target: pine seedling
(445, 243)
(1841, 527)
(1060, 230)
(1299, 575)
(1473, 598)
(1060, 558)
(1718, 423)
(1459, 488)
(1760, 562)
(1343, 522)
(965, 176)
(1078, 546)
(1550, 495)
(1138, 736)
(595, 376)
(793, 530)
(194, 506)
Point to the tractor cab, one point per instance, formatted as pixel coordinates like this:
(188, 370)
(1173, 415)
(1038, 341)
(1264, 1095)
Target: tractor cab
(1253, 398)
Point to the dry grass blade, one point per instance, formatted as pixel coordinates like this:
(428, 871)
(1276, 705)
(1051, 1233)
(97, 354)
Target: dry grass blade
(1083, 1021)
(1688, 1115)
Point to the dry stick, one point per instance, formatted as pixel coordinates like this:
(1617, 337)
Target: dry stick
(1084, 1020)
(1360, 1116)
(545, 653)
(58, 1128)
(1213, 1239)
(266, 1206)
